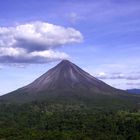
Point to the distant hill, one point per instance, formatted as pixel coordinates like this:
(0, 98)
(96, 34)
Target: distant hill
(136, 91)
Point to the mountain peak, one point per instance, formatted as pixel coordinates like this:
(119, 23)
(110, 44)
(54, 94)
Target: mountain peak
(65, 65)
(65, 79)
(65, 62)
(66, 75)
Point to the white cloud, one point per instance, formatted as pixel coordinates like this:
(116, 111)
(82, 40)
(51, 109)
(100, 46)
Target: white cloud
(15, 52)
(19, 55)
(74, 17)
(118, 75)
(101, 75)
(35, 42)
(1, 67)
(38, 36)
(50, 54)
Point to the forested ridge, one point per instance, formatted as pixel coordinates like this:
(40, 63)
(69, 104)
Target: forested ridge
(47, 121)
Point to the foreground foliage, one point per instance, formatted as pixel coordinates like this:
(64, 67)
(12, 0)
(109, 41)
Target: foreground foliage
(42, 121)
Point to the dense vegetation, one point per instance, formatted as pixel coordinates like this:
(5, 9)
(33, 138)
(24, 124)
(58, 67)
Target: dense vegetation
(55, 121)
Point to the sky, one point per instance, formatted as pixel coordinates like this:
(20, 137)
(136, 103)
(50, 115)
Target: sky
(102, 37)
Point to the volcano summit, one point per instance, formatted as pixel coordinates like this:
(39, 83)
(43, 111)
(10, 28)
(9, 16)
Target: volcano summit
(67, 76)
(65, 80)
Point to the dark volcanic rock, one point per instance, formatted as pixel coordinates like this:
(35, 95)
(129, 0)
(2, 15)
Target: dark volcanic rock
(66, 75)
(64, 80)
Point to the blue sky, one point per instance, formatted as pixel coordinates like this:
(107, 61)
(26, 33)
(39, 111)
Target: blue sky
(102, 37)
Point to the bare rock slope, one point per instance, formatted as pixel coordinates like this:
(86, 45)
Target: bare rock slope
(64, 80)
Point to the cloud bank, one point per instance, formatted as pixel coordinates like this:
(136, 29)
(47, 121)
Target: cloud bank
(118, 75)
(35, 42)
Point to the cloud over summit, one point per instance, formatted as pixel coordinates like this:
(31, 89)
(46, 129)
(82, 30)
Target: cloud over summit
(35, 42)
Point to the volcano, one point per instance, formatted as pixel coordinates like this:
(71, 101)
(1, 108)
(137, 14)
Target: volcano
(65, 80)
(67, 76)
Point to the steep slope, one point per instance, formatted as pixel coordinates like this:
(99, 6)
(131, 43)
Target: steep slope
(66, 75)
(66, 81)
